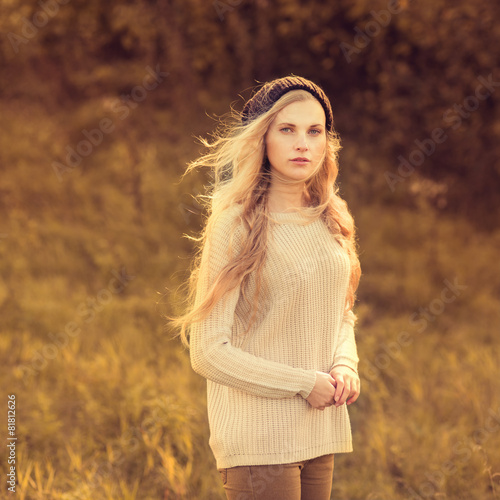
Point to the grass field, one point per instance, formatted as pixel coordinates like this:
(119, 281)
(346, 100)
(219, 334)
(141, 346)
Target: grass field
(107, 406)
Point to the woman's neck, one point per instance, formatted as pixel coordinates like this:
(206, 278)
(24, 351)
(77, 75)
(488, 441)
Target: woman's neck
(283, 199)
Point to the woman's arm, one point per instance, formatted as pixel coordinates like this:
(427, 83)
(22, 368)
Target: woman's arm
(346, 353)
(345, 364)
(215, 358)
(212, 354)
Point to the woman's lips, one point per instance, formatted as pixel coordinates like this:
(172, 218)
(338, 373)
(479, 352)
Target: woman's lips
(300, 161)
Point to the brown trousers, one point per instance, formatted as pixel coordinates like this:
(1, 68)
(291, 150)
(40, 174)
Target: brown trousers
(306, 480)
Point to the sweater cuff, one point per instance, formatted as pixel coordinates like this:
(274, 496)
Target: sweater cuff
(308, 382)
(341, 360)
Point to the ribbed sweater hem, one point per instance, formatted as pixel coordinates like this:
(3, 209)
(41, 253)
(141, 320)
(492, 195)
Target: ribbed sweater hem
(284, 458)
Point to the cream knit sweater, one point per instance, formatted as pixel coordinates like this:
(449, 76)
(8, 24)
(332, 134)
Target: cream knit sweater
(257, 384)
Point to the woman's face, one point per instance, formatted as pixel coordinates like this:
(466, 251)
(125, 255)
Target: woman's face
(296, 140)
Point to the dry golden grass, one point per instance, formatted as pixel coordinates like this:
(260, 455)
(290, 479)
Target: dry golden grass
(115, 411)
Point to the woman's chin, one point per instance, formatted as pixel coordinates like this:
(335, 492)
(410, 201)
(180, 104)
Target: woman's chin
(298, 174)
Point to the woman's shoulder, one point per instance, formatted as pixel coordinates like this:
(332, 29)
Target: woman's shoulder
(228, 215)
(234, 210)
(226, 220)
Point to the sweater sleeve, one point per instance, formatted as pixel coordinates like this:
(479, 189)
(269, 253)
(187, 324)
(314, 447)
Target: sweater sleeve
(211, 352)
(346, 352)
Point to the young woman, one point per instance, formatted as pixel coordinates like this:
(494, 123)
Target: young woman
(271, 325)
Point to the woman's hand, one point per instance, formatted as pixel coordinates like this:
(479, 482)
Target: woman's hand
(347, 385)
(323, 391)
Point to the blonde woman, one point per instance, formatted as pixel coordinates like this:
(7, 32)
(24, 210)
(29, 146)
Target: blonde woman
(270, 325)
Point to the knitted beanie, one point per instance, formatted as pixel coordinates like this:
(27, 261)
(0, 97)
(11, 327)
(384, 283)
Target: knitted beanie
(264, 99)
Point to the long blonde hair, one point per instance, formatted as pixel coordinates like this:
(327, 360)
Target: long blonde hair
(242, 176)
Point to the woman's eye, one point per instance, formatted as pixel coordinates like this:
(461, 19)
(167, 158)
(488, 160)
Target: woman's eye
(289, 129)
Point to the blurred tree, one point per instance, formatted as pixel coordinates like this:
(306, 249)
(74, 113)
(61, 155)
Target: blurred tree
(397, 72)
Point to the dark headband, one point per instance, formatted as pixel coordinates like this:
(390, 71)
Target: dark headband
(264, 99)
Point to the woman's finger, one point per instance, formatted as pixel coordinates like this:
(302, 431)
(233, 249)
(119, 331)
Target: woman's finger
(355, 393)
(345, 392)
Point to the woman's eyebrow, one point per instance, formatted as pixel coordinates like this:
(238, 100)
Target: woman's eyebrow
(293, 125)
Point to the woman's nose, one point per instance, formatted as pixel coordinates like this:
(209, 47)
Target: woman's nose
(301, 143)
